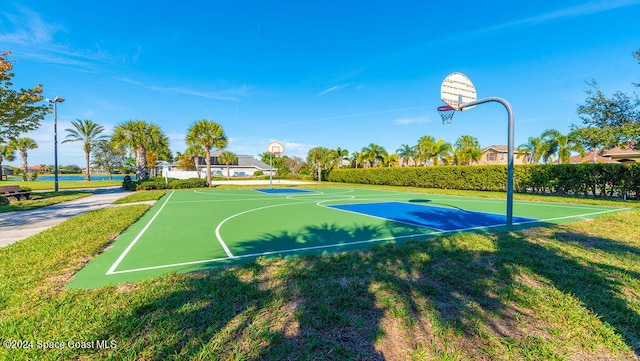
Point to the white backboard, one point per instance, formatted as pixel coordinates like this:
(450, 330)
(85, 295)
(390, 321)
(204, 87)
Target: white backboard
(275, 148)
(454, 86)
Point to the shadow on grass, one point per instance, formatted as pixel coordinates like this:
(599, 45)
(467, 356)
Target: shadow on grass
(388, 302)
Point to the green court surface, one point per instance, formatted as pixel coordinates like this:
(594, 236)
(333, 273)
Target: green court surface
(191, 230)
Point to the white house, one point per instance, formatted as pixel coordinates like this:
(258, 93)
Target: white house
(246, 166)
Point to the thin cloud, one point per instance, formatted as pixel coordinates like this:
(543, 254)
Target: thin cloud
(31, 37)
(407, 121)
(575, 11)
(333, 88)
(231, 95)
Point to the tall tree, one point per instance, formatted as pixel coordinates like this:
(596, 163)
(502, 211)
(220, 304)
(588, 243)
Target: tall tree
(594, 138)
(107, 156)
(7, 152)
(206, 134)
(19, 109)
(356, 158)
(319, 157)
(619, 113)
(440, 150)
(467, 150)
(87, 132)
(228, 158)
(532, 150)
(139, 135)
(405, 152)
(558, 143)
(339, 154)
(23, 145)
(374, 154)
(424, 149)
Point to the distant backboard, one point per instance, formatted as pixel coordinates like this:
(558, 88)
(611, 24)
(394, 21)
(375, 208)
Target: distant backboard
(275, 148)
(456, 86)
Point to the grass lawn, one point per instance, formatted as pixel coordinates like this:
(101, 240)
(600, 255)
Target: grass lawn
(49, 185)
(42, 199)
(565, 292)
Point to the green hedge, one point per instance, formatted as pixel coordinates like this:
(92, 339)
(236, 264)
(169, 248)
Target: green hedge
(159, 183)
(600, 180)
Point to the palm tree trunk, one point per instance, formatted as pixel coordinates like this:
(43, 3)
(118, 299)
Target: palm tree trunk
(141, 163)
(23, 155)
(319, 168)
(208, 161)
(228, 174)
(87, 176)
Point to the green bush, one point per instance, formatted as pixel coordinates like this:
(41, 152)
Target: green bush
(188, 183)
(3, 201)
(598, 180)
(257, 173)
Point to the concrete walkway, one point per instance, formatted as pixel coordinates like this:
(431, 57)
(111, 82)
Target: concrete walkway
(16, 226)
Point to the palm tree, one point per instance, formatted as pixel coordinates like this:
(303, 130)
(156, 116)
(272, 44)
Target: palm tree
(405, 152)
(424, 148)
(339, 154)
(206, 134)
(88, 132)
(561, 144)
(441, 150)
(467, 150)
(227, 158)
(22, 145)
(532, 151)
(356, 157)
(374, 154)
(7, 152)
(319, 157)
(139, 135)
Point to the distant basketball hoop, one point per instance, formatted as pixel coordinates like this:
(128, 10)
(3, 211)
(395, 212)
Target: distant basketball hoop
(275, 148)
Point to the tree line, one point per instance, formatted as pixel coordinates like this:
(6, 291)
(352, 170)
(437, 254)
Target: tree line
(607, 122)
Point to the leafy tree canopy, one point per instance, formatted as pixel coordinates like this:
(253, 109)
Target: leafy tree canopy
(19, 109)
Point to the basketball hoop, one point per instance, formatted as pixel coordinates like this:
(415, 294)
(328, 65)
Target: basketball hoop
(275, 148)
(446, 113)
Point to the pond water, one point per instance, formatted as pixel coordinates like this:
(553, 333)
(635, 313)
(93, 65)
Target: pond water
(77, 178)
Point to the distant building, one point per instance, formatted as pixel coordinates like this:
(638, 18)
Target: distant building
(7, 170)
(613, 155)
(498, 154)
(246, 166)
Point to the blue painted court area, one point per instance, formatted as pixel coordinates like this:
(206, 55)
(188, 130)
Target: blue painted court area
(438, 218)
(282, 190)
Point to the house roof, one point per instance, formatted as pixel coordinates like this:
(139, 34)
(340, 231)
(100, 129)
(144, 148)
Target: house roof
(497, 148)
(613, 155)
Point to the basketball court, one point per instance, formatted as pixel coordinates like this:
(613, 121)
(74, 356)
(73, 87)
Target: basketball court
(191, 230)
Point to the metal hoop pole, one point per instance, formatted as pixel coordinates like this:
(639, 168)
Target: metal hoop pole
(509, 150)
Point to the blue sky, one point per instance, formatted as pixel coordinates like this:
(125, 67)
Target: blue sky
(316, 73)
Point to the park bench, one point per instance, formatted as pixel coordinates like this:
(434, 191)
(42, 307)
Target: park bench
(14, 192)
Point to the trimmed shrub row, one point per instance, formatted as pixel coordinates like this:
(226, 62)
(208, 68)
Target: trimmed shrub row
(159, 183)
(599, 180)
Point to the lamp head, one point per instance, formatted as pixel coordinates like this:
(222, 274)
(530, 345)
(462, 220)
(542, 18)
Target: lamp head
(57, 99)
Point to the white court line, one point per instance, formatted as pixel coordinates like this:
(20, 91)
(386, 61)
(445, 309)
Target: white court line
(117, 262)
(337, 245)
(219, 237)
(334, 245)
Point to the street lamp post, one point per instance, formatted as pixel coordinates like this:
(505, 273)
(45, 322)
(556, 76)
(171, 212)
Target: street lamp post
(55, 138)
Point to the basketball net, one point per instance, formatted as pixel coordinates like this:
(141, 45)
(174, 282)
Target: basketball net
(446, 113)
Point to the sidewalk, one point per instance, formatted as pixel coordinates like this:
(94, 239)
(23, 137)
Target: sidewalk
(16, 226)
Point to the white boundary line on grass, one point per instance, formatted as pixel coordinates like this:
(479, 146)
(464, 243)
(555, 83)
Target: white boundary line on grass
(124, 253)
